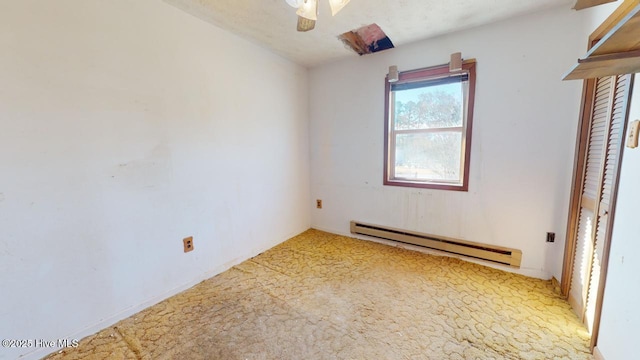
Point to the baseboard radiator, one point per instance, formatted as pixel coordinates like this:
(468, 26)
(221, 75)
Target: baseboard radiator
(496, 254)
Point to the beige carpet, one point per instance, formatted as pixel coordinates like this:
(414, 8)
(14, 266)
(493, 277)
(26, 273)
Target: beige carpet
(323, 296)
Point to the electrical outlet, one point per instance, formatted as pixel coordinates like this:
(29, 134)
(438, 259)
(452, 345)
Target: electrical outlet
(319, 204)
(188, 244)
(551, 237)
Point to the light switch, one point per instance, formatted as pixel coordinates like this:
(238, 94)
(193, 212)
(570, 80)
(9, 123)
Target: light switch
(632, 138)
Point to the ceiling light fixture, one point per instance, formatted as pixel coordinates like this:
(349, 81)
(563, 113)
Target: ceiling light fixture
(308, 11)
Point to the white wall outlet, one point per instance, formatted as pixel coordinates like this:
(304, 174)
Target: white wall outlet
(632, 138)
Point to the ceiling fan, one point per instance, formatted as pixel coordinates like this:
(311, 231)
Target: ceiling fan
(308, 11)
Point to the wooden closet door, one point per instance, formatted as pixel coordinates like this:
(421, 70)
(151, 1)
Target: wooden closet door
(590, 188)
(606, 132)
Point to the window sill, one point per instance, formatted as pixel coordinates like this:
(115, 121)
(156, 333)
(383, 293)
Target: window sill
(425, 185)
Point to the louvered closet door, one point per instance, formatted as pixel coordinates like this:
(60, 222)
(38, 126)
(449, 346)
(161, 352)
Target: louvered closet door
(603, 153)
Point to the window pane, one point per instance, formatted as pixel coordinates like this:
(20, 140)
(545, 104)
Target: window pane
(428, 156)
(429, 107)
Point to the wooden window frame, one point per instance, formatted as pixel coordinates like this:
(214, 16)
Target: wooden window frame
(431, 73)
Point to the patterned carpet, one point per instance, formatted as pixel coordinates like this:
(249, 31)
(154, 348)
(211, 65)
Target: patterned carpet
(323, 296)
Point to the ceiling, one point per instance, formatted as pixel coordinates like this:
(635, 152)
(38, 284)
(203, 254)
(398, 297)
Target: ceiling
(272, 23)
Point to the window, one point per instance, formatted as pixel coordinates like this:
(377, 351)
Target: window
(428, 118)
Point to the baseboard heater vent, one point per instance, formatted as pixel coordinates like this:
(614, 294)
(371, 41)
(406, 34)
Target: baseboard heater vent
(496, 254)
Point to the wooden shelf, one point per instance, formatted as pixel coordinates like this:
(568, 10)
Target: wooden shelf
(618, 52)
(584, 4)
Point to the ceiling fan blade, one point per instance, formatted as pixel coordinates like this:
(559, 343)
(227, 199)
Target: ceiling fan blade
(337, 5)
(305, 24)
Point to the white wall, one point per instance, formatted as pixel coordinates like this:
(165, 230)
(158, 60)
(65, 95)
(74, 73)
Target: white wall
(620, 319)
(124, 127)
(523, 139)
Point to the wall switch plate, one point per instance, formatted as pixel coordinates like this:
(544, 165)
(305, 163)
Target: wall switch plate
(318, 204)
(632, 138)
(188, 244)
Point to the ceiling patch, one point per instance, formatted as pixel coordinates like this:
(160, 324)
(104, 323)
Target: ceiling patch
(366, 40)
